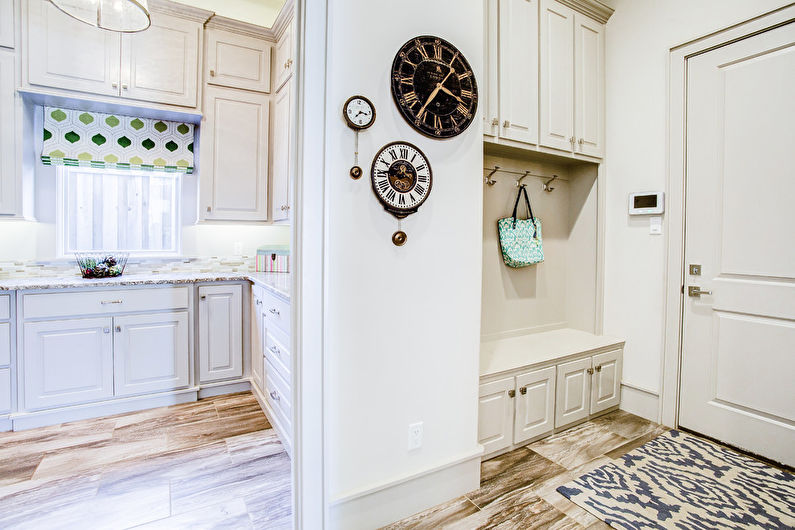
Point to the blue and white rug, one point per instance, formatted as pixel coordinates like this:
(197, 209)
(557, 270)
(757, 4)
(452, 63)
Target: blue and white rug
(681, 481)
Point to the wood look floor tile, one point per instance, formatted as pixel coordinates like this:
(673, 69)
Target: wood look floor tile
(39, 503)
(578, 445)
(236, 404)
(625, 424)
(621, 450)
(204, 432)
(253, 445)
(521, 509)
(18, 468)
(166, 417)
(443, 514)
(230, 515)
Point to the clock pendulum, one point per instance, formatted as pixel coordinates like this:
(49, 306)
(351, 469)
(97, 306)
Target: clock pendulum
(359, 114)
(402, 179)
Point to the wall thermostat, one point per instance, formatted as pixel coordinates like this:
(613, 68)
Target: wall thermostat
(647, 203)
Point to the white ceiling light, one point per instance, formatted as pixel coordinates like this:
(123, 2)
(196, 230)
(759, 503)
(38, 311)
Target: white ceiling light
(125, 16)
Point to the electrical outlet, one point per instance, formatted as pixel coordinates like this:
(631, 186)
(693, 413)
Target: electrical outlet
(415, 435)
(238, 250)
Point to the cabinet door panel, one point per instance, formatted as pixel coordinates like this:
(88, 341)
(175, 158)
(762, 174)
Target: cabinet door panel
(7, 23)
(5, 343)
(161, 64)
(234, 155)
(606, 391)
(5, 389)
(238, 61)
(489, 89)
(518, 72)
(220, 332)
(280, 156)
(151, 353)
(557, 75)
(65, 53)
(283, 61)
(589, 75)
(257, 339)
(67, 361)
(8, 177)
(573, 393)
(535, 404)
(495, 415)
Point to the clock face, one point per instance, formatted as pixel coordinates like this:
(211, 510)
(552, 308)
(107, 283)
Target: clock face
(434, 87)
(359, 112)
(401, 178)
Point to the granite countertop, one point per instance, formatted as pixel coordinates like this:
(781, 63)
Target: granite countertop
(278, 283)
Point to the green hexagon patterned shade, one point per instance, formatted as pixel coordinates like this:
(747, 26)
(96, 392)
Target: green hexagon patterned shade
(92, 139)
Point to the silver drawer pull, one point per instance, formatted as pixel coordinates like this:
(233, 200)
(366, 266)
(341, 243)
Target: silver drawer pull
(275, 395)
(275, 350)
(259, 302)
(106, 302)
(106, 330)
(274, 311)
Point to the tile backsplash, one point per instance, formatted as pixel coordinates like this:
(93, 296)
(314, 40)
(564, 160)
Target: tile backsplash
(23, 269)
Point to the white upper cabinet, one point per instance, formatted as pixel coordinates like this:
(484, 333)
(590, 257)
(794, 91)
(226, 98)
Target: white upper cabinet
(280, 156)
(238, 61)
(557, 76)
(283, 63)
(234, 157)
(8, 177)
(161, 64)
(65, 53)
(158, 65)
(518, 71)
(589, 83)
(7, 23)
(489, 85)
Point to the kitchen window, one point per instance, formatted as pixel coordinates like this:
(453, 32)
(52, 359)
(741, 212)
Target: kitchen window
(104, 210)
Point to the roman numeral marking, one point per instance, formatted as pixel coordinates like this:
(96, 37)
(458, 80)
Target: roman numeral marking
(404, 153)
(466, 94)
(420, 189)
(421, 49)
(410, 98)
(402, 199)
(463, 76)
(413, 157)
(422, 178)
(420, 168)
(392, 154)
(437, 122)
(407, 80)
(462, 109)
(437, 52)
(391, 195)
(383, 185)
(381, 173)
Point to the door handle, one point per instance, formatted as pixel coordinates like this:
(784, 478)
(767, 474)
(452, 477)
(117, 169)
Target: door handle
(695, 290)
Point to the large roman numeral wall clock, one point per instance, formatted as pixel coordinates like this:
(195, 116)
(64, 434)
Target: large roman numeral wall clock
(434, 87)
(402, 179)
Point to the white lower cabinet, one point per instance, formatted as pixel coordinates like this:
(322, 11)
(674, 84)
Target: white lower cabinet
(220, 332)
(151, 353)
(257, 339)
(495, 414)
(67, 362)
(606, 384)
(573, 398)
(535, 404)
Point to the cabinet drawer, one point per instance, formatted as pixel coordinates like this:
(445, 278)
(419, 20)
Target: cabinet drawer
(277, 351)
(5, 390)
(277, 312)
(5, 306)
(69, 304)
(277, 392)
(5, 343)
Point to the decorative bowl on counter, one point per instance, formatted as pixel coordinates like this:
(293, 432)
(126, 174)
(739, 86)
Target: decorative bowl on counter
(101, 265)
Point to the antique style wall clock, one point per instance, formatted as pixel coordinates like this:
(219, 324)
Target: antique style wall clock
(359, 114)
(434, 87)
(402, 179)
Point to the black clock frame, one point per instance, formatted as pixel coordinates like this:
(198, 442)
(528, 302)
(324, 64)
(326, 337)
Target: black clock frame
(401, 213)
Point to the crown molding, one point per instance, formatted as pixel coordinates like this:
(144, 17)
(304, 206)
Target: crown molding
(167, 7)
(284, 19)
(592, 8)
(240, 27)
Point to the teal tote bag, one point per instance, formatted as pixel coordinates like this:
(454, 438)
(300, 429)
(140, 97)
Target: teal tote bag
(520, 239)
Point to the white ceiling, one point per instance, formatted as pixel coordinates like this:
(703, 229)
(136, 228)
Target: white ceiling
(259, 12)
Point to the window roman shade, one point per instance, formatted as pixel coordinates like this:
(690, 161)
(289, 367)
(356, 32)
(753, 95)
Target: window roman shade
(92, 139)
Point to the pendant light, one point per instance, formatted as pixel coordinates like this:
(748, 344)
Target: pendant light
(123, 16)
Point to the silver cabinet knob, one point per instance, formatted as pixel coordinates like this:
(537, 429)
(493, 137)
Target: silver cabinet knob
(273, 311)
(258, 302)
(275, 395)
(275, 350)
(106, 330)
(118, 329)
(572, 139)
(114, 84)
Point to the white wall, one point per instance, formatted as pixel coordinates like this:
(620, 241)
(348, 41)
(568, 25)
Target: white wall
(639, 36)
(403, 324)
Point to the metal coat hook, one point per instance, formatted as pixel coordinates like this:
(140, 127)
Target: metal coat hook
(488, 180)
(520, 179)
(546, 187)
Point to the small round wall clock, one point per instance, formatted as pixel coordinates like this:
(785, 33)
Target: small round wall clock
(402, 179)
(359, 114)
(434, 87)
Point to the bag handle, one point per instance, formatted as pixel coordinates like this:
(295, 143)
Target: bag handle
(523, 189)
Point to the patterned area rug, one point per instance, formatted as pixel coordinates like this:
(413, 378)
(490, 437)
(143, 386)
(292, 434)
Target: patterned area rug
(681, 481)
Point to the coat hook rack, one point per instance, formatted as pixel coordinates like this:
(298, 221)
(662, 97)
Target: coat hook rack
(546, 187)
(490, 181)
(520, 179)
(489, 178)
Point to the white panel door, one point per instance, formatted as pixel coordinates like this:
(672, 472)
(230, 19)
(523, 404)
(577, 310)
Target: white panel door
(556, 31)
(7, 23)
(8, 177)
(220, 332)
(283, 63)
(234, 155)
(280, 155)
(606, 382)
(151, 353)
(67, 362)
(65, 53)
(161, 64)
(257, 340)
(238, 61)
(518, 70)
(535, 404)
(738, 345)
(5, 389)
(495, 414)
(489, 85)
(589, 85)
(573, 392)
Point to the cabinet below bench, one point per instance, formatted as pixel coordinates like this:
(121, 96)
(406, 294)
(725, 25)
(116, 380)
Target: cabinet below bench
(534, 385)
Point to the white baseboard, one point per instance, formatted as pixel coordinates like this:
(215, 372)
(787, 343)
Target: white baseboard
(640, 402)
(398, 499)
(224, 387)
(284, 436)
(6, 424)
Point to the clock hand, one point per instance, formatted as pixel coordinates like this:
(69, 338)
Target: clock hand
(435, 91)
(444, 89)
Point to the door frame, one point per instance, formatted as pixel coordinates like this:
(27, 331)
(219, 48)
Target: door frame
(676, 189)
